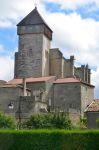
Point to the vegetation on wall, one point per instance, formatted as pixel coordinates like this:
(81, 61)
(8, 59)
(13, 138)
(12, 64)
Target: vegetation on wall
(82, 124)
(59, 120)
(97, 123)
(7, 122)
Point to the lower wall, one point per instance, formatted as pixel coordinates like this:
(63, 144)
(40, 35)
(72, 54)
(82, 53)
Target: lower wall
(91, 119)
(74, 117)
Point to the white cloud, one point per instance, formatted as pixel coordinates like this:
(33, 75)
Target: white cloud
(74, 35)
(73, 4)
(14, 8)
(6, 67)
(5, 23)
(11, 11)
(95, 81)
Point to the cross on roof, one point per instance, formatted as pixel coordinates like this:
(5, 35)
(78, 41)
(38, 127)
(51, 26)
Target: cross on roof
(35, 3)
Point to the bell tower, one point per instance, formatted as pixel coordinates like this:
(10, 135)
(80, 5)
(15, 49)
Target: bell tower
(32, 58)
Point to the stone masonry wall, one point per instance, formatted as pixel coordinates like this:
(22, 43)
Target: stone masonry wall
(9, 95)
(32, 58)
(55, 63)
(87, 96)
(67, 95)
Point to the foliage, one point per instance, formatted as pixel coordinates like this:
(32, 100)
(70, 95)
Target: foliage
(97, 123)
(6, 122)
(82, 124)
(49, 140)
(59, 120)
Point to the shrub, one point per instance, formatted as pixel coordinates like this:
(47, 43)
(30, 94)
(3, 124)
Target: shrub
(59, 120)
(82, 124)
(97, 123)
(6, 122)
(49, 140)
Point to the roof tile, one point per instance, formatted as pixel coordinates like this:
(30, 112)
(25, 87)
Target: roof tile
(94, 106)
(67, 80)
(31, 80)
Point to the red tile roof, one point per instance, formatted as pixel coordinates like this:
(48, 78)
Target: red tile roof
(71, 80)
(67, 80)
(10, 85)
(31, 80)
(94, 106)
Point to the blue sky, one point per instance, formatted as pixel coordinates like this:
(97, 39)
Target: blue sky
(75, 26)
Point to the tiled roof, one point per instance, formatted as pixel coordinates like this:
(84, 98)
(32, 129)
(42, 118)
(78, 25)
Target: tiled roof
(9, 85)
(71, 80)
(94, 106)
(33, 18)
(67, 80)
(12, 86)
(31, 80)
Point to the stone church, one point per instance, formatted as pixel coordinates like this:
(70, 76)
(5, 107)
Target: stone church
(43, 79)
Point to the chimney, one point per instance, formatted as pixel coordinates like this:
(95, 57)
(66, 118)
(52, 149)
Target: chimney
(24, 87)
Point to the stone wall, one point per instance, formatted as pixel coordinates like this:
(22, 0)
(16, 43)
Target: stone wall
(45, 56)
(87, 96)
(67, 95)
(44, 90)
(91, 119)
(56, 62)
(28, 107)
(83, 73)
(32, 58)
(9, 95)
(69, 64)
(37, 90)
(59, 66)
(73, 95)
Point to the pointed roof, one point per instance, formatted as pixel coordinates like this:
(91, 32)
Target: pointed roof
(33, 18)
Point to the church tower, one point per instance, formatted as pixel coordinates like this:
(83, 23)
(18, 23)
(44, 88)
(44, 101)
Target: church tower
(32, 58)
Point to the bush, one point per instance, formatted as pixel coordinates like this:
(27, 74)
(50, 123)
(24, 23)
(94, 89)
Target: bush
(82, 124)
(49, 140)
(48, 121)
(6, 122)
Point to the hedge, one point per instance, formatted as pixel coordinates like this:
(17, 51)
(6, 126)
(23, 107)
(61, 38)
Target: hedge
(49, 140)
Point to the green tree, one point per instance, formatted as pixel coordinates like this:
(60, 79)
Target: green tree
(7, 122)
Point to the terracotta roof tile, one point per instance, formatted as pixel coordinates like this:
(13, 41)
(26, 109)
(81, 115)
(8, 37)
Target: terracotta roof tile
(94, 106)
(10, 85)
(67, 80)
(31, 80)
(71, 80)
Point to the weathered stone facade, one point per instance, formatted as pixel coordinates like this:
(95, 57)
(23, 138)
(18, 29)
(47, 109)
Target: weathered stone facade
(52, 79)
(32, 58)
(74, 94)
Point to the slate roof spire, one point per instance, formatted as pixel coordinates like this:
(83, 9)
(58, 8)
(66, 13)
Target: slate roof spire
(33, 18)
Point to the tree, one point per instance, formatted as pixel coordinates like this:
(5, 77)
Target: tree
(6, 122)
